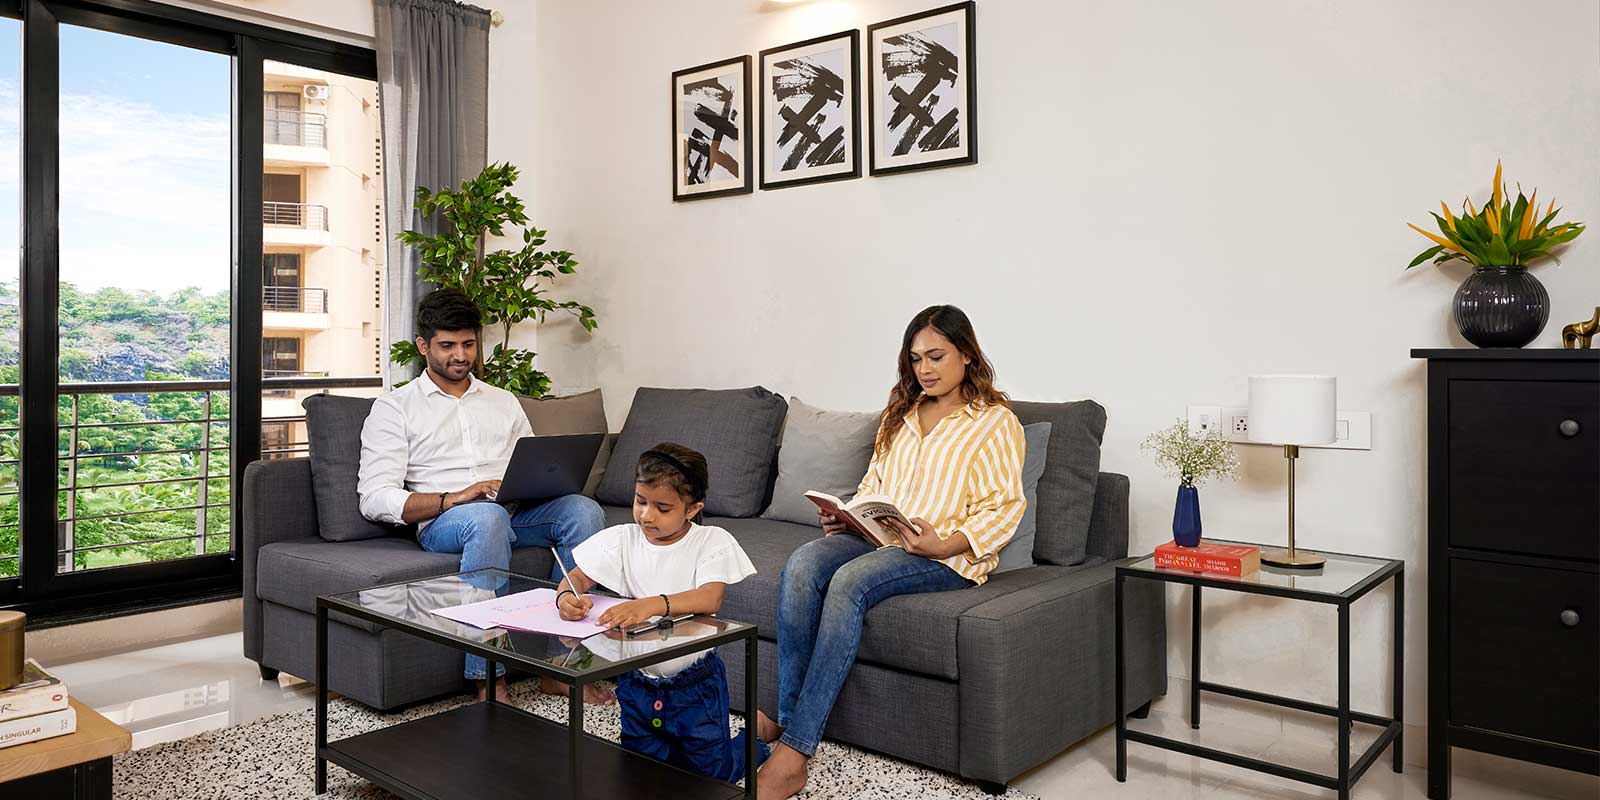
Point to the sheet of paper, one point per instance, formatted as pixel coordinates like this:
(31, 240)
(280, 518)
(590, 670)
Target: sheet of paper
(482, 614)
(533, 610)
(545, 618)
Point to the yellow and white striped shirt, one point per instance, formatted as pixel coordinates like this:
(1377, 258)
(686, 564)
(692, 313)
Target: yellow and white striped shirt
(964, 477)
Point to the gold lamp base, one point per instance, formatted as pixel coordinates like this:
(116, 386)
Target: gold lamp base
(1298, 559)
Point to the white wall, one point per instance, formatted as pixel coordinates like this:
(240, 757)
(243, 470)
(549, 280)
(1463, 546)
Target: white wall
(1170, 196)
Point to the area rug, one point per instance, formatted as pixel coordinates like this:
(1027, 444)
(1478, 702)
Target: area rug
(270, 758)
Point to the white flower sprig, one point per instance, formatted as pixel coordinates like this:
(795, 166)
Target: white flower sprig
(1192, 457)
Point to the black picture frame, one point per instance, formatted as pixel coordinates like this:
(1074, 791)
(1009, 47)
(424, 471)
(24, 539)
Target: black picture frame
(966, 79)
(849, 104)
(739, 103)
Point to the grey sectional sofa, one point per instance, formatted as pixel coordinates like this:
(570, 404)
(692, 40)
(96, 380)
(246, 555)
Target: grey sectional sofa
(985, 682)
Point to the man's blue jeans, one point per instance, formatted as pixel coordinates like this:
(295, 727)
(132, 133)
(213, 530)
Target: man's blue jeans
(827, 588)
(484, 533)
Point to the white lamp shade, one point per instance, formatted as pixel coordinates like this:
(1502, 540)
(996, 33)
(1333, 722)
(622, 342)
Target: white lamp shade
(1292, 409)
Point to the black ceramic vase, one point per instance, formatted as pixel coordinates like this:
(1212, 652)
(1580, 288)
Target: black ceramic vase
(1501, 307)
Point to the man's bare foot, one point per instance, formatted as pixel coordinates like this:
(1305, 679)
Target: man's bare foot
(783, 775)
(593, 694)
(767, 730)
(502, 690)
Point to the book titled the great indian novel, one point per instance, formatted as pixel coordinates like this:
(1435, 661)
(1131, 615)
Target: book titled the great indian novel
(1237, 560)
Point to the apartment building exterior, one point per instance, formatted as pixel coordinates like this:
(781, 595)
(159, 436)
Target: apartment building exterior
(322, 261)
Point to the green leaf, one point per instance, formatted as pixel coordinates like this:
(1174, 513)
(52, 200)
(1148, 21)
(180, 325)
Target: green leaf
(1426, 254)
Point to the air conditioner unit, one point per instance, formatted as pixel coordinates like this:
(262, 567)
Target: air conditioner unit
(316, 92)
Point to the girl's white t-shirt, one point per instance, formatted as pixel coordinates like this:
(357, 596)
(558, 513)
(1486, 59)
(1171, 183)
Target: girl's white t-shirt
(624, 561)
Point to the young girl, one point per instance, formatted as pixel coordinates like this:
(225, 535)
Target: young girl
(676, 711)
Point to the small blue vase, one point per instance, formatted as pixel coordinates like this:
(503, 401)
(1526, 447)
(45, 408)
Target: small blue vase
(1186, 516)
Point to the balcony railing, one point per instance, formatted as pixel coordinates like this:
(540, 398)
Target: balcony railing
(294, 299)
(298, 215)
(136, 490)
(296, 128)
(287, 373)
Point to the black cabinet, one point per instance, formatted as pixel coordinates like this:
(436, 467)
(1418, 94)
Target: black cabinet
(1513, 557)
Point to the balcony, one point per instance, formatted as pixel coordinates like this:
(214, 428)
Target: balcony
(295, 224)
(295, 138)
(294, 308)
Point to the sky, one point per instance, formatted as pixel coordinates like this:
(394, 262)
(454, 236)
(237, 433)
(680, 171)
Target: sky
(145, 184)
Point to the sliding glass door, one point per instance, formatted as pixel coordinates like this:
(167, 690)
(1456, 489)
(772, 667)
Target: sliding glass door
(133, 355)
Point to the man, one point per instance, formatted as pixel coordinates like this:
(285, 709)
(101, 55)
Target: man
(434, 446)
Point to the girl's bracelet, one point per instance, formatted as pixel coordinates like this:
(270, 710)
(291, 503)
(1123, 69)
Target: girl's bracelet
(565, 591)
(668, 601)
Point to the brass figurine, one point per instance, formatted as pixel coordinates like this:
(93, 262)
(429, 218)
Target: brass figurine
(1580, 335)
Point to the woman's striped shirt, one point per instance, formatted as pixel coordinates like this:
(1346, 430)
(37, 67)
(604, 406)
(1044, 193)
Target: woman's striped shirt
(964, 477)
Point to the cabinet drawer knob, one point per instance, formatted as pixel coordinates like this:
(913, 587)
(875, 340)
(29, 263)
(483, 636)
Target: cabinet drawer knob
(1569, 618)
(1569, 428)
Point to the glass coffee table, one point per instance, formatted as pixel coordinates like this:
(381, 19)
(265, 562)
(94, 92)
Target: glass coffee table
(1340, 582)
(491, 749)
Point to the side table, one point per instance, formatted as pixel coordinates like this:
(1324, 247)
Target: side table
(72, 767)
(1343, 580)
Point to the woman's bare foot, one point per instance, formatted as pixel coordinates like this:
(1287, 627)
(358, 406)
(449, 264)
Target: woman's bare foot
(502, 690)
(767, 730)
(593, 694)
(783, 775)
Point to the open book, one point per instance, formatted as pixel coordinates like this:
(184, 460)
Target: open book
(863, 515)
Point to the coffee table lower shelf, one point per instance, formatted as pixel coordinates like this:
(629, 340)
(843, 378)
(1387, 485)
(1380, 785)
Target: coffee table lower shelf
(485, 751)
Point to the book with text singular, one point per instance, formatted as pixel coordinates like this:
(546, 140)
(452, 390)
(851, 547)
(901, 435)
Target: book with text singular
(39, 693)
(39, 726)
(863, 516)
(1237, 560)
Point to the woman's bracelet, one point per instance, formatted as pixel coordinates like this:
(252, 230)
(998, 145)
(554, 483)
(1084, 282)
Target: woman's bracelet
(668, 601)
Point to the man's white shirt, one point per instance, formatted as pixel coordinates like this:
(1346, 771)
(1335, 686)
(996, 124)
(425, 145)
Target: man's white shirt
(420, 439)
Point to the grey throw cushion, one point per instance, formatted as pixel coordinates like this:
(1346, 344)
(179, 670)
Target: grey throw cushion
(584, 412)
(333, 426)
(825, 451)
(1071, 471)
(735, 429)
(1018, 552)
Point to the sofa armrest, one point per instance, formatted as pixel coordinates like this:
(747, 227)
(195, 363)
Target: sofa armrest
(1038, 667)
(278, 505)
(1108, 523)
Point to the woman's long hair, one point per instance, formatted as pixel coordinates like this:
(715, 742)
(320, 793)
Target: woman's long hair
(952, 323)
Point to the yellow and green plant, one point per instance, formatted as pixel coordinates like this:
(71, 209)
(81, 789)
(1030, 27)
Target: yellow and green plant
(1503, 233)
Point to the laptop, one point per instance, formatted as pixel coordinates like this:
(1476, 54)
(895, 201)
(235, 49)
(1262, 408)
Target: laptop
(547, 467)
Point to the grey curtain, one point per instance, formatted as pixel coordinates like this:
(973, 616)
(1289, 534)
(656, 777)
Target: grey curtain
(433, 94)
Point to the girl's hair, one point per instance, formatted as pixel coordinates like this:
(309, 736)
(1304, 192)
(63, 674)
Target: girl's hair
(679, 467)
(978, 386)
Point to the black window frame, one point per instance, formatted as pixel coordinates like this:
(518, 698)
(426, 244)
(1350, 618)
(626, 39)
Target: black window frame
(48, 596)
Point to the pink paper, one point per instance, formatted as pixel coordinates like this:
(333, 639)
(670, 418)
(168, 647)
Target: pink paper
(533, 610)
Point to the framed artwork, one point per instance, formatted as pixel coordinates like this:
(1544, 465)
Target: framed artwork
(922, 91)
(810, 118)
(711, 141)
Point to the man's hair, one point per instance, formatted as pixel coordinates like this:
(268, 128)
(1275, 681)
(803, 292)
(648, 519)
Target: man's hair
(446, 310)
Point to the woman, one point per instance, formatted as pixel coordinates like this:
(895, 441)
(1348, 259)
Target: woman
(949, 454)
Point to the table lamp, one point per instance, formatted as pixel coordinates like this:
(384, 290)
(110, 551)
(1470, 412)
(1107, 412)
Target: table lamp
(1291, 410)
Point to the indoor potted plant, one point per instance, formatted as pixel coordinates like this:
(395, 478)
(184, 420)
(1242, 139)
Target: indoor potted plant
(1191, 457)
(1500, 304)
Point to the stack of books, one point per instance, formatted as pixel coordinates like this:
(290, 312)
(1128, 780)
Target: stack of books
(35, 709)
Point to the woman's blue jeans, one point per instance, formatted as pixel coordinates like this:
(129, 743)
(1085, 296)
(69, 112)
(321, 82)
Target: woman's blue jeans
(828, 586)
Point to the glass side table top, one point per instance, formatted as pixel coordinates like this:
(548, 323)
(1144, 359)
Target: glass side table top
(1341, 575)
(411, 605)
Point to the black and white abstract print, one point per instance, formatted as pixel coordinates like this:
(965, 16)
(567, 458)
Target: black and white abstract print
(809, 113)
(713, 131)
(922, 84)
(710, 130)
(919, 70)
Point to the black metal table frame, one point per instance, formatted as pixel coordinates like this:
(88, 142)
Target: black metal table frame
(1348, 774)
(540, 668)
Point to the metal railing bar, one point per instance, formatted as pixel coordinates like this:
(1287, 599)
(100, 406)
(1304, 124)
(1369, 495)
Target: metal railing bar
(86, 487)
(141, 453)
(137, 543)
(121, 514)
(196, 387)
(82, 425)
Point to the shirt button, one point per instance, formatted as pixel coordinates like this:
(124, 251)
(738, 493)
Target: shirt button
(655, 723)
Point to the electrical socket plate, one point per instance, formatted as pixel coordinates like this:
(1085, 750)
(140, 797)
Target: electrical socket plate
(1353, 428)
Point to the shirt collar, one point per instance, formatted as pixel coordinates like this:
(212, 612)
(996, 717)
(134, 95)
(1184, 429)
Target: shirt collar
(970, 410)
(428, 386)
